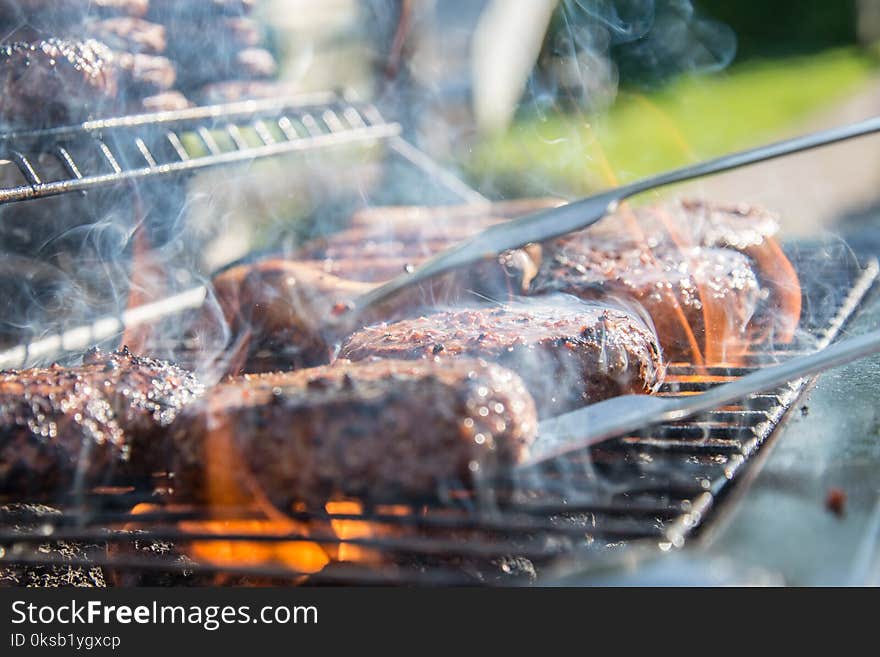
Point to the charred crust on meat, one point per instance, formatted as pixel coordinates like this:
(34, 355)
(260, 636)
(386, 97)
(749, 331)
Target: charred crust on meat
(88, 423)
(569, 352)
(357, 433)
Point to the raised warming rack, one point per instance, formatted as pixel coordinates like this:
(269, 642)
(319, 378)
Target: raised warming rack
(644, 492)
(113, 151)
(108, 152)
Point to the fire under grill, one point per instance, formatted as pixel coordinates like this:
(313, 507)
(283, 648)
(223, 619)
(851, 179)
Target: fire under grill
(643, 492)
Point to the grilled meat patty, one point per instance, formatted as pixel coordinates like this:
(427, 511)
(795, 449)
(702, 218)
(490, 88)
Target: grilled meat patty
(71, 428)
(280, 305)
(568, 352)
(751, 231)
(658, 282)
(366, 429)
(56, 81)
(121, 33)
(711, 278)
(412, 232)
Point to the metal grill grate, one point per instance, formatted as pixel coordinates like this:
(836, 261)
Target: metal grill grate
(646, 491)
(113, 151)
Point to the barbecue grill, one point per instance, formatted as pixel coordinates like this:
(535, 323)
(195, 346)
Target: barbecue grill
(640, 494)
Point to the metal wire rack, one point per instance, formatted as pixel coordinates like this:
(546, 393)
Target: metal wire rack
(112, 151)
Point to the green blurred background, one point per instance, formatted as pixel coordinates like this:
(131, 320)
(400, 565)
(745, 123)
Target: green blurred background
(792, 61)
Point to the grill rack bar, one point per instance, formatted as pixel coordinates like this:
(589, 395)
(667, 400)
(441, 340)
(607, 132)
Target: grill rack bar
(131, 147)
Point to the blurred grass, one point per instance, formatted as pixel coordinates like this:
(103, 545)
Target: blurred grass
(691, 118)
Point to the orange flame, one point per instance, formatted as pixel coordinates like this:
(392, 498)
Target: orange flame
(347, 530)
(636, 230)
(723, 342)
(228, 486)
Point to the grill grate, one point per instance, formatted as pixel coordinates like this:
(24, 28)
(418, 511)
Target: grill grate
(113, 151)
(647, 491)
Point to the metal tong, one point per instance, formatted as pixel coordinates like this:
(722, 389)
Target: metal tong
(547, 224)
(620, 415)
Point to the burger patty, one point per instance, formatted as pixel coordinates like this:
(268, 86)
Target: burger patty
(413, 232)
(280, 305)
(711, 278)
(68, 429)
(368, 429)
(568, 352)
(657, 282)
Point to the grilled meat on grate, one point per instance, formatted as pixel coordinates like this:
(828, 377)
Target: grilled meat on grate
(54, 82)
(64, 429)
(353, 429)
(654, 281)
(568, 352)
(279, 305)
(717, 269)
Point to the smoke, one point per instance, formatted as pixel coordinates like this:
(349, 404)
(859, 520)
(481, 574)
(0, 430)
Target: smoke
(594, 46)
(74, 262)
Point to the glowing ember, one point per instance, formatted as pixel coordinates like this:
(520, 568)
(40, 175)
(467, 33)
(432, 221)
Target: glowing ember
(299, 555)
(348, 530)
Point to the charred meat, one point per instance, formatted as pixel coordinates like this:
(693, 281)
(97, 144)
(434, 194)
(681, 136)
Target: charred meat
(668, 285)
(413, 232)
(68, 429)
(54, 82)
(751, 231)
(366, 429)
(568, 352)
(280, 305)
(711, 278)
